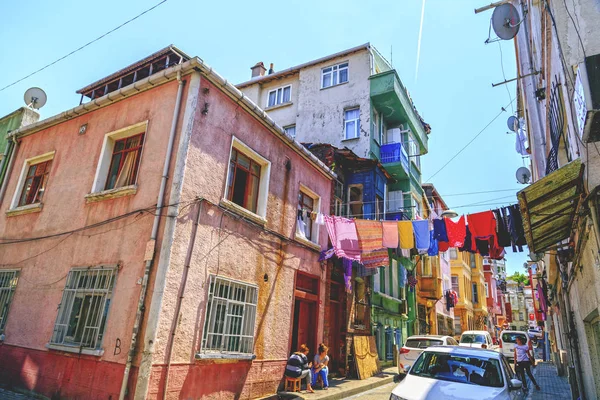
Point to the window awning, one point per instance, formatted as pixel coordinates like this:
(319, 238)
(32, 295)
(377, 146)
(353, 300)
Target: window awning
(548, 206)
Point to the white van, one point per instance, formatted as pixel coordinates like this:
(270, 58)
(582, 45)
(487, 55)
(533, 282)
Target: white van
(508, 340)
(477, 339)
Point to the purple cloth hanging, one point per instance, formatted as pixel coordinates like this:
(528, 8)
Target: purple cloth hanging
(347, 263)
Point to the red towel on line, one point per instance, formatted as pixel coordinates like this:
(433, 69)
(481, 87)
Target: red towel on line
(482, 225)
(456, 231)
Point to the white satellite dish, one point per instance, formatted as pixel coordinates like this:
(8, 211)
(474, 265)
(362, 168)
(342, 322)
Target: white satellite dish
(523, 175)
(35, 98)
(513, 123)
(505, 21)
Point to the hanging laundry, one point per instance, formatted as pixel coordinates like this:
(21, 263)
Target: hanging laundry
(412, 281)
(456, 231)
(347, 265)
(407, 263)
(320, 219)
(483, 247)
(406, 235)
(469, 244)
(343, 236)
(301, 228)
(433, 245)
(439, 229)
(521, 142)
(390, 234)
(326, 254)
(376, 258)
(405, 253)
(516, 225)
(421, 230)
(509, 225)
(443, 246)
(502, 233)
(369, 234)
(496, 252)
(482, 224)
(401, 275)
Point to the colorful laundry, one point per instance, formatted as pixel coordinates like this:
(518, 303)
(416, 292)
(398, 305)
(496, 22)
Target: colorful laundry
(456, 231)
(482, 224)
(347, 265)
(421, 230)
(439, 229)
(469, 243)
(433, 245)
(370, 235)
(406, 235)
(390, 234)
(376, 258)
(343, 237)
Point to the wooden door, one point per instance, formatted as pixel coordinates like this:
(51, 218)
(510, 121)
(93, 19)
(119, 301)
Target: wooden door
(305, 325)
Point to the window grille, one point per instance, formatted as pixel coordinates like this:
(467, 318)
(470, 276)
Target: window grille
(83, 310)
(8, 283)
(556, 117)
(230, 316)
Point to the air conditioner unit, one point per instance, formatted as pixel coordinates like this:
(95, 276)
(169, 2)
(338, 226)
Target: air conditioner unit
(586, 99)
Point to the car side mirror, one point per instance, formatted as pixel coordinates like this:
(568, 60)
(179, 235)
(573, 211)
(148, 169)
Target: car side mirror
(515, 384)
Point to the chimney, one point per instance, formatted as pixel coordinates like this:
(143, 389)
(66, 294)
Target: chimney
(271, 70)
(258, 70)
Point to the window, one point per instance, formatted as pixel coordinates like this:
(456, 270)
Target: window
(230, 317)
(83, 310)
(426, 266)
(472, 260)
(308, 204)
(35, 183)
(334, 75)
(395, 201)
(457, 326)
(379, 210)
(8, 284)
(355, 201)
(290, 131)
(453, 253)
(278, 96)
(413, 152)
(33, 180)
(378, 130)
(487, 290)
(475, 294)
(417, 207)
(455, 285)
(120, 158)
(124, 162)
(352, 123)
(521, 316)
(435, 266)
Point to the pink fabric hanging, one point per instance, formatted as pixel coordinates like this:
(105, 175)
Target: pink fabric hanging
(343, 236)
(390, 234)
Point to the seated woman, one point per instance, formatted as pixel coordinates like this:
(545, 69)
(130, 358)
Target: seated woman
(320, 366)
(299, 367)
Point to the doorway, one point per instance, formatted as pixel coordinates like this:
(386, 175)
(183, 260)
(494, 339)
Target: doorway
(304, 330)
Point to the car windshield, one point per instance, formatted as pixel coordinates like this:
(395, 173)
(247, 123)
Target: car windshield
(472, 338)
(473, 370)
(512, 337)
(422, 343)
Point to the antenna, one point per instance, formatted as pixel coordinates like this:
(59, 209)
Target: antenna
(523, 175)
(35, 98)
(505, 21)
(513, 123)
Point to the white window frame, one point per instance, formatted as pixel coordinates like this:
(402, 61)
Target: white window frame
(335, 74)
(8, 284)
(457, 290)
(453, 253)
(287, 130)
(248, 305)
(100, 295)
(263, 188)
(314, 234)
(279, 96)
(413, 151)
(417, 207)
(108, 145)
(487, 290)
(361, 202)
(19, 189)
(356, 124)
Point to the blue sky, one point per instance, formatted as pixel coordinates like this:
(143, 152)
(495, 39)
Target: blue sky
(453, 92)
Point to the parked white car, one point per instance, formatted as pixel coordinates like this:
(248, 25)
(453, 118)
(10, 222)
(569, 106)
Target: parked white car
(415, 345)
(477, 339)
(508, 340)
(460, 373)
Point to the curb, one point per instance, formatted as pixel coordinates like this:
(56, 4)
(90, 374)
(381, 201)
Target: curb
(343, 394)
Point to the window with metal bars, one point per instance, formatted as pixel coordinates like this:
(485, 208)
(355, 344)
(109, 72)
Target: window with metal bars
(230, 317)
(83, 310)
(8, 284)
(35, 183)
(556, 121)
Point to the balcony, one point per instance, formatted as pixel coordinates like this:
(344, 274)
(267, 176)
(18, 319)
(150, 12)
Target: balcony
(395, 160)
(390, 98)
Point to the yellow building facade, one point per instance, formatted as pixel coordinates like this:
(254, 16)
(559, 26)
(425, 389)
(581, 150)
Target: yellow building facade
(468, 282)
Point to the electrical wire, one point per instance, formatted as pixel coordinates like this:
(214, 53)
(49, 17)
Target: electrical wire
(84, 46)
(472, 140)
(576, 29)
(504, 76)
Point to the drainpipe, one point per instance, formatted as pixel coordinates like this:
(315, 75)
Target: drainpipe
(186, 269)
(11, 160)
(153, 236)
(572, 332)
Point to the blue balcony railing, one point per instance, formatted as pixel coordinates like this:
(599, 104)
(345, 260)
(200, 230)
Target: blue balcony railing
(392, 153)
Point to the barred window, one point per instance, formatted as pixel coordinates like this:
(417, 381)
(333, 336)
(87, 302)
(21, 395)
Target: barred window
(83, 310)
(8, 283)
(230, 316)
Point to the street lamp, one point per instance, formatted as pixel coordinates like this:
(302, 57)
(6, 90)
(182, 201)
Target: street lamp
(449, 214)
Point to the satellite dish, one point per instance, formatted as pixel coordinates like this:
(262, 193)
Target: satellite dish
(35, 98)
(513, 123)
(505, 21)
(523, 175)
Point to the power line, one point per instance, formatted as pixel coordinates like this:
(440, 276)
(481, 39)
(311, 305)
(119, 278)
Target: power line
(472, 140)
(486, 191)
(504, 76)
(84, 46)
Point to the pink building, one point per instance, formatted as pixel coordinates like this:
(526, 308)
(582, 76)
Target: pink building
(149, 241)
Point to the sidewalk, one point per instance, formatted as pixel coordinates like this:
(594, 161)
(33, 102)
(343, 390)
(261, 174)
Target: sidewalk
(341, 388)
(554, 387)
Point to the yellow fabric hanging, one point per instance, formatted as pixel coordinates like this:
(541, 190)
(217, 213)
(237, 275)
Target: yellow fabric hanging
(406, 234)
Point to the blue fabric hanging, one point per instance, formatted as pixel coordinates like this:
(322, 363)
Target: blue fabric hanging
(433, 245)
(421, 229)
(439, 230)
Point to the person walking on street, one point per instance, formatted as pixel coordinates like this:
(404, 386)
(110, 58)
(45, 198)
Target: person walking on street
(320, 367)
(299, 367)
(524, 360)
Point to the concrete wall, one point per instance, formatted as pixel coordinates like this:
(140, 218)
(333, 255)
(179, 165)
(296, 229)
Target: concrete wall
(236, 249)
(44, 264)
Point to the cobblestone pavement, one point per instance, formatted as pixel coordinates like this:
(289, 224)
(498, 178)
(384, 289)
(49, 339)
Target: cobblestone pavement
(8, 395)
(553, 387)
